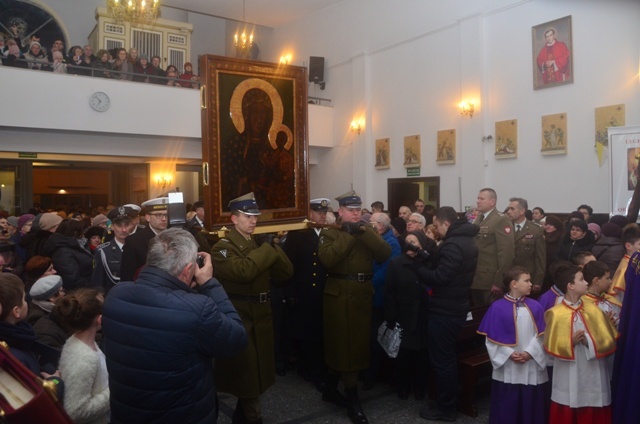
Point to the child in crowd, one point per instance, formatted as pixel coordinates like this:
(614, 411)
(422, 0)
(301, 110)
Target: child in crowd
(554, 295)
(82, 363)
(598, 277)
(513, 327)
(581, 258)
(631, 241)
(579, 337)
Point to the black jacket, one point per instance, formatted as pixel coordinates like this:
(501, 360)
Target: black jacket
(405, 302)
(72, 262)
(568, 248)
(452, 272)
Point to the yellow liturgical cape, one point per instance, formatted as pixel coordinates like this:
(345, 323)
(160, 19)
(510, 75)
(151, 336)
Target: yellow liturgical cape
(560, 320)
(618, 283)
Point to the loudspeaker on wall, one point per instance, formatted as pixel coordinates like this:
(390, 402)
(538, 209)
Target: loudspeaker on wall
(316, 69)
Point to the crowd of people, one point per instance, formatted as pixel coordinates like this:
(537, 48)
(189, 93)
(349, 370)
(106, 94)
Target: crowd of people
(123, 315)
(116, 63)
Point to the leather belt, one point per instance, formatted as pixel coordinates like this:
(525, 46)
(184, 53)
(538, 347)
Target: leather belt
(260, 298)
(361, 277)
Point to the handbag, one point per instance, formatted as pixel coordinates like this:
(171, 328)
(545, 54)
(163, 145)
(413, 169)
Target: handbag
(24, 397)
(389, 339)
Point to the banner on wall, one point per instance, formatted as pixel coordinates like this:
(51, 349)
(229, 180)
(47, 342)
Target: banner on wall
(624, 144)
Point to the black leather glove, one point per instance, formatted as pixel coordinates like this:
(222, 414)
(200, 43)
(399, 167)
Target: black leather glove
(411, 247)
(353, 227)
(423, 254)
(264, 238)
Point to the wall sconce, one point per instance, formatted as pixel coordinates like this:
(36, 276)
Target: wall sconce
(356, 126)
(286, 59)
(466, 108)
(163, 182)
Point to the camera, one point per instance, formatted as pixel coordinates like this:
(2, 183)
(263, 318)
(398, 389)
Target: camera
(200, 261)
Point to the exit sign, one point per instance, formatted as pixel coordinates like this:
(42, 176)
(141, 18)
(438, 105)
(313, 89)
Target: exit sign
(413, 172)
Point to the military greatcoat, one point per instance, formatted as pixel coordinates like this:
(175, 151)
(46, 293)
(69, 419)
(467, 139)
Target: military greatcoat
(495, 250)
(244, 269)
(531, 251)
(347, 301)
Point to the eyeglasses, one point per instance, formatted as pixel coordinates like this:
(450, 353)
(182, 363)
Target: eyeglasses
(414, 221)
(160, 215)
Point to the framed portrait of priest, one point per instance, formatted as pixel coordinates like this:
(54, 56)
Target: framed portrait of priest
(254, 137)
(552, 53)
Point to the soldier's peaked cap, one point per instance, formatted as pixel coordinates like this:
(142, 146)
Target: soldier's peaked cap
(350, 200)
(245, 204)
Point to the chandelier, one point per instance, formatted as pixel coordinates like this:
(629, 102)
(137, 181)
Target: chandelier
(243, 41)
(140, 11)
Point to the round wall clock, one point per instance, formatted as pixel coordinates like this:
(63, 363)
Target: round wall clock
(99, 101)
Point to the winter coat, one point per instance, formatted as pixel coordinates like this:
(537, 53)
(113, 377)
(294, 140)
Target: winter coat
(73, 263)
(380, 268)
(609, 250)
(160, 338)
(568, 247)
(84, 371)
(405, 302)
(452, 272)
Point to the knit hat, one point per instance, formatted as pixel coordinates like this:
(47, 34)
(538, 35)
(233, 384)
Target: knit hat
(619, 220)
(13, 221)
(399, 224)
(99, 219)
(143, 56)
(24, 219)
(45, 287)
(611, 230)
(595, 229)
(34, 43)
(49, 220)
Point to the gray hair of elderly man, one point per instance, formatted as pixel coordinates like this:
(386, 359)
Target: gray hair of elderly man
(172, 250)
(383, 219)
(419, 217)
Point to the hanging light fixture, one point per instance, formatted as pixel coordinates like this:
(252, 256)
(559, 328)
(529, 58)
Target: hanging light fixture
(137, 11)
(243, 41)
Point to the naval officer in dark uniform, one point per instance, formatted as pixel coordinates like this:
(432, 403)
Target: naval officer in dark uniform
(348, 255)
(245, 264)
(304, 293)
(108, 256)
(134, 254)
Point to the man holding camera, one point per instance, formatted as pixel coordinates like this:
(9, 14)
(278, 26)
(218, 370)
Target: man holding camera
(245, 264)
(348, 256)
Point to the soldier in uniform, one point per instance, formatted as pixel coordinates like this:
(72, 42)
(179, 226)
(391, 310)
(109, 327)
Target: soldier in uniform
(348, 255)
(530, 248)
(244, 265)
(495, 249)
(108, 256)
(134, 254)
(304, 295)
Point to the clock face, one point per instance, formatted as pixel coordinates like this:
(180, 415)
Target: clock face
(99, 101)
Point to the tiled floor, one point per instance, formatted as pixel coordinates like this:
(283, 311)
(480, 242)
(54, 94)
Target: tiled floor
(292, 401)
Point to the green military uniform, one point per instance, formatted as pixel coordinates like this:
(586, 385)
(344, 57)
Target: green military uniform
(244, 269)
(496, 249)
(347, 301)
(531, 250)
